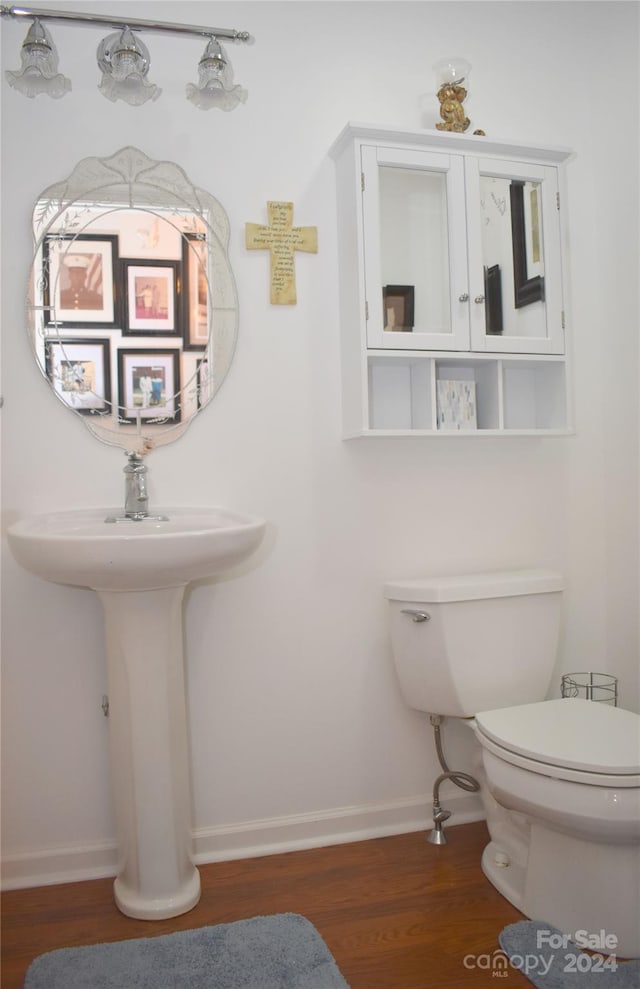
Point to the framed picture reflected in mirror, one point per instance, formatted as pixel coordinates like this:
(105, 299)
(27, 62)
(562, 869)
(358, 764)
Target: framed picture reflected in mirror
(79, 370)
(151, 290)
(149, 384)
(527, 248)
(79, 280)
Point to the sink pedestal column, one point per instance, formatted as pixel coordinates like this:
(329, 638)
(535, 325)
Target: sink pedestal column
(150, 753)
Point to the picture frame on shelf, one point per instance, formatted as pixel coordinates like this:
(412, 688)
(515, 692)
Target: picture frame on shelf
(80, 372)
(456, 404)
(152, 290)
(196, 292)
(80, 281)
(493, 299)
(149, 384)
(398, 302)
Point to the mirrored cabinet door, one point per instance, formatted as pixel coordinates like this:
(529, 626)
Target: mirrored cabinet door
(515, 271)
(415, 250)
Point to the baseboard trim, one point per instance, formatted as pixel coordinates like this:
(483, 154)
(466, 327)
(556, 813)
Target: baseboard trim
(333, 827)
(59, 864)
(248, 839)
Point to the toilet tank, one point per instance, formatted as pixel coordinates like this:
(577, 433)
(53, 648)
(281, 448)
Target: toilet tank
(490, 639)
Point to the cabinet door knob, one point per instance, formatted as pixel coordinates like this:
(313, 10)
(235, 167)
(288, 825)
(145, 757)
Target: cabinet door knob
(479, 299)
(464, 297)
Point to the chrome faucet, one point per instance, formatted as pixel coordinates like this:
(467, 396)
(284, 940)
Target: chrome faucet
(136, 496)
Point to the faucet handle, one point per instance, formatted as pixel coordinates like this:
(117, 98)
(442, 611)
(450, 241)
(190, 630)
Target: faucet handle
(136, 499)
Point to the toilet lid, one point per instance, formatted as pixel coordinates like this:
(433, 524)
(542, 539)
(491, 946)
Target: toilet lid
(570, 733)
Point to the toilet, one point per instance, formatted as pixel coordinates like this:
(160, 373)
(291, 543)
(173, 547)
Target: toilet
(559, 779)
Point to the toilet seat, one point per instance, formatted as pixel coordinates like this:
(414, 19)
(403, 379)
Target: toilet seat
(567, 738)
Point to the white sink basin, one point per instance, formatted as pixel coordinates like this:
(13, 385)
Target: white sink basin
(81, 549)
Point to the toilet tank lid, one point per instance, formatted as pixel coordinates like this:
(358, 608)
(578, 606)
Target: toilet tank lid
(475, 586)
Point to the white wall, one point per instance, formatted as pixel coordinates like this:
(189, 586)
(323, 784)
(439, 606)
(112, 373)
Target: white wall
(294, 711)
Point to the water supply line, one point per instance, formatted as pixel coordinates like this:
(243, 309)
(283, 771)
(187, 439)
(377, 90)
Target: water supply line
(463, 780)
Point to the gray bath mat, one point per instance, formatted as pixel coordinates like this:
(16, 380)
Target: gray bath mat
(283, 951)
(550, 965)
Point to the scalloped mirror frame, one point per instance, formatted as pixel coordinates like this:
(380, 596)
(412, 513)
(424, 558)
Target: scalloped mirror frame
(131, 181)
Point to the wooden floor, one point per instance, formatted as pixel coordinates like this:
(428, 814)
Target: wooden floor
(397, 913)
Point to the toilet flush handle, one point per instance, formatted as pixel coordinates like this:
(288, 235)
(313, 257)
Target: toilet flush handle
(416, 616)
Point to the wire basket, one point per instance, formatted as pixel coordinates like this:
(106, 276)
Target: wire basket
(591, 687)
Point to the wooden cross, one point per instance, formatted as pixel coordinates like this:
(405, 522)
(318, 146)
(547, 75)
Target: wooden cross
(282, 239)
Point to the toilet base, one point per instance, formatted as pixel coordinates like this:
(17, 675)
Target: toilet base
(574, 885)
(508, 878)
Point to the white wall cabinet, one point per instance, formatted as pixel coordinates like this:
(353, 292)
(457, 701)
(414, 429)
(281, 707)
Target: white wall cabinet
(453, 308)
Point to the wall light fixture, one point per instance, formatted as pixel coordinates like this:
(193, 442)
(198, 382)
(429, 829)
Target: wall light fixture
(124, 62)
(215, 81)
(39, 72)
(123, 59)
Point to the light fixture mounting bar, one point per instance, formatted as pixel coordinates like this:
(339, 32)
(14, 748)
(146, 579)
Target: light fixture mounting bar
(134, 24)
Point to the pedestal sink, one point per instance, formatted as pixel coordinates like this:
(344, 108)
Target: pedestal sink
(140, 570)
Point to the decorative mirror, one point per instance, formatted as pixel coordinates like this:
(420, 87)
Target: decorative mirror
(132, 305)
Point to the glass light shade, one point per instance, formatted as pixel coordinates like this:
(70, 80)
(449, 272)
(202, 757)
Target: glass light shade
(453, 71)
(215, 81)
(124, 62)
(39, 73)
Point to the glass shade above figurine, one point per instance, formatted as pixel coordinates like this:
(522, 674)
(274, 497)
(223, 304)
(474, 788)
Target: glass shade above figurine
(452, 76)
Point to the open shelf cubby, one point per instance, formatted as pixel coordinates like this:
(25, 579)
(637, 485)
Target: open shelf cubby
(506, 394)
